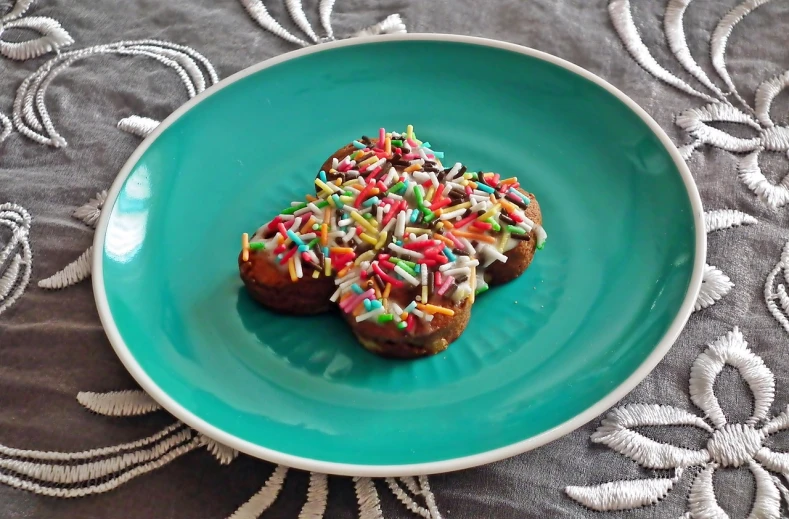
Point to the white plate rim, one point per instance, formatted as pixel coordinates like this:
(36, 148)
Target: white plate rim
(448, 465)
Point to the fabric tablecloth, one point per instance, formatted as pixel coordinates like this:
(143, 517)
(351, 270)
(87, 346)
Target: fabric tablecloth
(702, 434)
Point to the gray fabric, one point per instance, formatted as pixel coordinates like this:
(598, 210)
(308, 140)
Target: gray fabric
(52, 345)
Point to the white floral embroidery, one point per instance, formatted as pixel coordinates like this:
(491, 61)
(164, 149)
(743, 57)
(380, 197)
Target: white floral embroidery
(257, 10)
(775, 295)
(77, 474)
(16, 257)
(731, 445)
(90, 212)
(768, 137)
(31, 117)
(715, 284)
(76, 271)
(52, 35)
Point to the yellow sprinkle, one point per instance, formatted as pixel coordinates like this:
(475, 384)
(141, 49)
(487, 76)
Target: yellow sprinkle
(245, 247)
(464, 182)
(372, 159)
(464, 205)
(351, 182)
(331, 202)
(367, 256)
(505, 237)
(292, 269)
(369, 239)
(388, 145)
(381, 240)
(424, 292)
(489, 213)
(327, 267)
(440, 225)
(341, 250)
(325, 188)
(433, 309)
(332, 170)
(417, 230)
(387, 290)
(430, 193)
(324, 234)
(315, 274)
(413, 167)
(337, 181)
(409, 131)
(364, 223)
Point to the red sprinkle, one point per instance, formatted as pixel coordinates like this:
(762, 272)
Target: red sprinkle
(442, 203)
(288, 255)
(381, 187)
(359, 199)
(437, 278)
(421, 244)
(384, 256)
(282, 230)
(306, 257)
(363, 274)
(465, 221)
(387, 264)
(469, 191)
(375, 172)
(485, 226)
(386, 277)
(280, 249)
(273, 223)
(428, 262)
(439, 191)
(410, 323)
(516, 217)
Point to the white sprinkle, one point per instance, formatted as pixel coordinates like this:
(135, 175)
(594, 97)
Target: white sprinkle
(388, 225)
(454, 214)
(407, 252)
(335, 296)
(541, 235)
(335, 234)
(526, 224)
(297, 262)
(346, 222)
(365, 265)
(433, 178)
(296, 224)
(420, 176)
(349, 235)
(418, 313)
(400, 228)
(302, 211)
(417, 161)
(408, 277)
(394, 196)
(346, 282)
(454, 171)
(467, 245)
(423, 271)
(379, 213)
(286, 217)
(314, 208)
(308, 236)
(492, 252)
(458, 271)
(334, 163)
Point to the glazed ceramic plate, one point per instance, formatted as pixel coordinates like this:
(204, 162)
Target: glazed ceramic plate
(596, 311)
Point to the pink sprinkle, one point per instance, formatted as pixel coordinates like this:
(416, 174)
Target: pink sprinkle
(438, 278)
(514, 197)
(411, 156)
(351, 302)
(411, 142)
(445, 285)
(454, 240)
(381, 137)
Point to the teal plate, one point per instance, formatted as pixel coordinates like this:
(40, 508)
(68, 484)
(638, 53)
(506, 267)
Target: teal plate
(596, 311)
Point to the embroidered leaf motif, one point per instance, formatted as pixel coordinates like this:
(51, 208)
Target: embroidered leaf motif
(90, 212)
(265, 497)
(775, 293)
(5, 127)
(118, 403)
(776, 195)
(16, 257)
(367, 496)
(392, 24)
(714, 285)
(693, 121)
(53, 37)
(622, 495)
(76, 271)
(720, 219)
(139, 126)
(317, 497)
(223, 454)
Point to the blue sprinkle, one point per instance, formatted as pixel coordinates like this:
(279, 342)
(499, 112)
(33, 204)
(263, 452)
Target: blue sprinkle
(292, 235)
(322, 174)
(357, 289)
(337, 201)
(358, 145)
(325, 251)
(368, 305)
(410, 307)
(484, 187)
(370, 201)
(399, 243)
(279, 257)
(303, 248)
(414, 216)
(375, 304)
(417, 267)
(449, 255)
(439, 154)
(425, 144)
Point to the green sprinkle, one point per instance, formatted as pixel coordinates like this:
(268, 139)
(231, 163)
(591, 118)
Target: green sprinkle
(322, 204)
(395, 187)
(385, 318)
(405, 266)
(541, 246)
(494, 224)
(481, 289)
(514, 229)
(429, 216)
(418, 194)
(402, 325)
(258, 245)
(313, 243)
(293, 209)
(397, 143)
(367, 216)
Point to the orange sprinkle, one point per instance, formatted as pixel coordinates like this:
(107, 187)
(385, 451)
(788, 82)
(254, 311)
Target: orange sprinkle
(245, 247)
(413, 167)
(446, 240)
(377, 290)
(341, 250)
(324, 234)
(433, 309)
(447, 224)
(388, 145)
(311, 198)
(387, 290)
(508, 181)
(404, 316)
(292, 269)
(337, 181)
(475, 236)
(280, 239)
(508, 206)
(307, 225)
(344, 271)
(472, 184)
